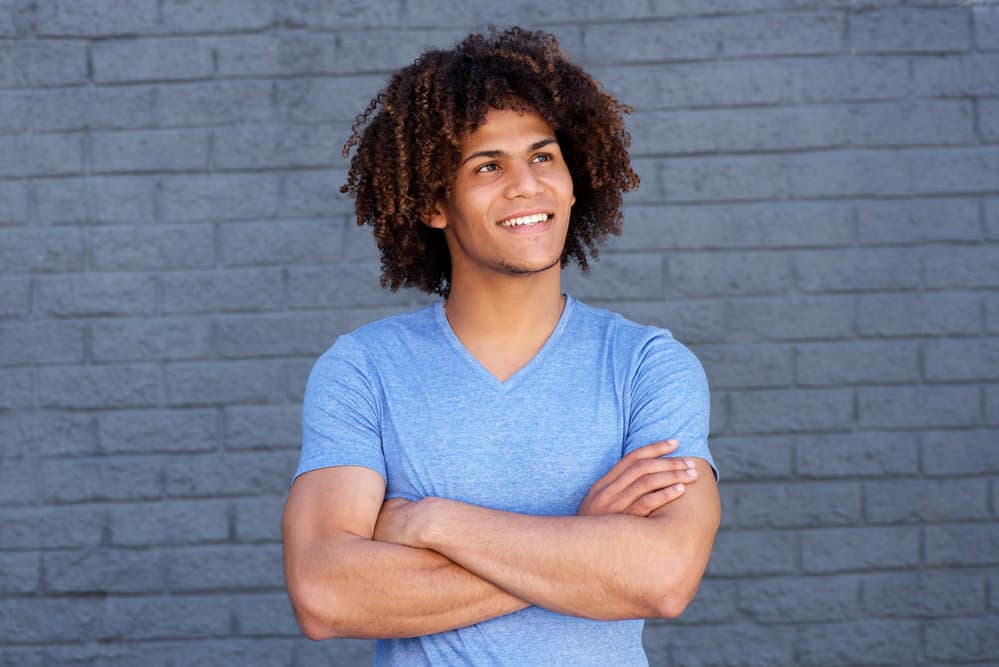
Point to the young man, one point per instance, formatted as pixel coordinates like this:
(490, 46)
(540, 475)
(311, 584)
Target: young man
(507, 476)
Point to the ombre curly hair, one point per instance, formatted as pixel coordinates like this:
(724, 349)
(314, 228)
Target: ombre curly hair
(409, 143)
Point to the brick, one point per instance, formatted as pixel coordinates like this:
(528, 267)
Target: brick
(186, 16)
(325, 99)
(14, 296)
(266, 615)
(859, 548)
(900, 123)
(615, 277)
(360, 51)
(40, 342)
(19, 483)
(692, 321)
(144, 248)
(956, 75)
(160, 59)
(794, 505)
(783, 410)
(167, 617)
(100, 479)
(14, 195)
(231, 474)
(962, 544)
(992, 404)
(917, 220)
(221, 291)
(214, 102)
(50, 527)
(100, 386)
(19, 573)
(350, 13)
(316, 194)
(988, 124)
(741, 458)
(158, 431)
(649, 171)
(96, 294)
(280, 242)
(910, 501)
(47, 63)
(856, 172)
(910, 30)
(151, 338)
(918, 406)
(970, 451)
(46, 433)
(258, 519)
(128, 199)
(992, 219)
(963, 639)
(746, 225)
(205, 383)
(936, 313)
(41, 154)
(225, 568)
(923, 594)
(341, 285)
(747, 553)
(986, 20)
(35, 620)
(757, 81)
(693, 39)
(697, 179)
(263, 426)
(219, 197)
(715, 602)
(252, 147)
(962, 359)
(16, 18)
(741, 365)
(231, 651)
(103, 570)
(804, 599)
(100, 17)
(736, 273)
(350, 651)
(26, 250)
(150, 150)
(169, 523)
(857, 454)
(790, 317)
(300, 334)
(729, 645)
(856, 362)
(954, 170)
(101, 107)
(871, 641)
(969, 266)
(17, 388)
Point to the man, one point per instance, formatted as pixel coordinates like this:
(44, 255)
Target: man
(508, 476)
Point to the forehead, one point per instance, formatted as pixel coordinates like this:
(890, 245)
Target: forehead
(507, 130)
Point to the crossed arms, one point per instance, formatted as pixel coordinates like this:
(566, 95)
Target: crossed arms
(356, 566)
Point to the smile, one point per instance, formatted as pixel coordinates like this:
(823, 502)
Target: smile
(525, 221)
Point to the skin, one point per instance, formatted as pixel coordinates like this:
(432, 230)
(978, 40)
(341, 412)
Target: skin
(360, 567)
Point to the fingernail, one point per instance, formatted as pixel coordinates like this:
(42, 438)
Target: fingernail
(688, 463)
(678, 487)
(692, 472)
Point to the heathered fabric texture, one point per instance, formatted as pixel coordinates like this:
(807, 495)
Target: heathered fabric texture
(405, 398)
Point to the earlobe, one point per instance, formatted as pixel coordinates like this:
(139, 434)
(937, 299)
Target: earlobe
(435, 217)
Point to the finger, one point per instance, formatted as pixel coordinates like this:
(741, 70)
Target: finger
(654, 482)
(639, 469)
(650, 502)
(651, 451)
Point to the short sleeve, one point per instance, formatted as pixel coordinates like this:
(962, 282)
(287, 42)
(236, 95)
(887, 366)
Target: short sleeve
(669, 399)
(340, 413)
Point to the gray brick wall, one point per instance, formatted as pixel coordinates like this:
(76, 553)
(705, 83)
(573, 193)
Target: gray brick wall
(818, 220)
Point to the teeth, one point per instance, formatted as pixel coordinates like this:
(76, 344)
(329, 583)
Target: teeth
(526, 220)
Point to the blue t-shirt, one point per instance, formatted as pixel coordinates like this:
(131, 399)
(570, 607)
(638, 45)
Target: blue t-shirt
(404, 397)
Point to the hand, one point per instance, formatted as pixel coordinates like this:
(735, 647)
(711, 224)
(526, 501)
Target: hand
(396, 522)
(640, 483)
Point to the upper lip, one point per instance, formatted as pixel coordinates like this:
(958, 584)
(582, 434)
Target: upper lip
(522, 214)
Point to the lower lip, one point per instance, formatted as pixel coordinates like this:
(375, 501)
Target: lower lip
(536, 228)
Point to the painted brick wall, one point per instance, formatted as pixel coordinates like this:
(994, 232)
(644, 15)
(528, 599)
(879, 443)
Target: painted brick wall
(818, 220)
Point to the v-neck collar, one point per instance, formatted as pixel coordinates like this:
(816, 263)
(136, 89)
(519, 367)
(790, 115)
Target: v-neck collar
(481, 370)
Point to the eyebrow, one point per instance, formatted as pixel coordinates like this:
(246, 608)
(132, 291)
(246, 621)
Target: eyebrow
(497, 153)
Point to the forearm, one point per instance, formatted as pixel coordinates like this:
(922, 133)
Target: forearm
(362, 588)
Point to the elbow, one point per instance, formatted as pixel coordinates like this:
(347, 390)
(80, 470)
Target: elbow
(316, 615)
(671, 606)
(673, 597)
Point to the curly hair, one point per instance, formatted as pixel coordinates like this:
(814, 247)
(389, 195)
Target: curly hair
(409, 143)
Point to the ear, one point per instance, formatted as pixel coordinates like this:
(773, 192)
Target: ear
(436, 218)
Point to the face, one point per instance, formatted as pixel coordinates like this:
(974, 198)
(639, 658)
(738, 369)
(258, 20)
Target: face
(508, 213)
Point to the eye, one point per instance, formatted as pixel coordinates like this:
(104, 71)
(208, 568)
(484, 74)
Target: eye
(486, 168)
(543, 157)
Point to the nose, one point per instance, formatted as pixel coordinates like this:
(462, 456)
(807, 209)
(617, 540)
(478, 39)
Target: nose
(523, 182)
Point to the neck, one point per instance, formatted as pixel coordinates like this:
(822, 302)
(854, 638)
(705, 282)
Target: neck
(522, 305)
